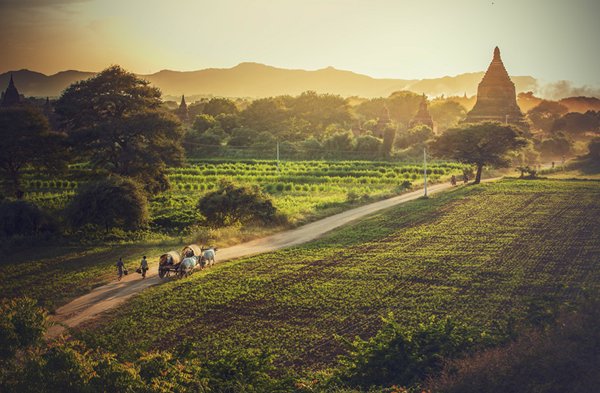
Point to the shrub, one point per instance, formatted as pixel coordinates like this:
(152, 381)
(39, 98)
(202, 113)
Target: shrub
(24, 218)
(399, 356)
(22, 324)
(231, 204)
(111, 203)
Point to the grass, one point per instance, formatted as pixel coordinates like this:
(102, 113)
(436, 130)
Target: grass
(485, 255)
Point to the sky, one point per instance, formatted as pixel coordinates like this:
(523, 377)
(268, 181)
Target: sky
(549, 39)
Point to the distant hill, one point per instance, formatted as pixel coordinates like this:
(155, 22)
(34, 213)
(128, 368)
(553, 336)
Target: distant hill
(259, 80)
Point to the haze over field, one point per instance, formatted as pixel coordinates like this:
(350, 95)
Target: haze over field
(397, 43)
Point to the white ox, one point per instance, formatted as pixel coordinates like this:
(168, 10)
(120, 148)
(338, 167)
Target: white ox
(208, 257)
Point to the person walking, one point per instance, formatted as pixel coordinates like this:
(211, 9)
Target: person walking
(120, 269)
(144, 266)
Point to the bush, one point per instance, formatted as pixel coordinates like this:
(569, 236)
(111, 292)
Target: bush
(231, 204)
(22, 324)
(111, 203)
(24, 218)
(399, 356)
(594, 149)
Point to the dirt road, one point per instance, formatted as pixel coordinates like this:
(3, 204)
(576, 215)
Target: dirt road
(113, 294)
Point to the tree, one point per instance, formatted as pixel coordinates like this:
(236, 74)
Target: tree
(368, 144)
(217, 106)
(389, 136)
(231, 203)
(558, 146)
(446, 113)
(113, 202)
(116, 122)
(417, 135)
(339, 141)
(545, 114)
(24, 218)
(594, 149)
(486, 143)
(26, 141)
(203, 122)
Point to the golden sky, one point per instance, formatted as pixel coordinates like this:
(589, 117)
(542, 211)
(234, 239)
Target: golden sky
(551, 39)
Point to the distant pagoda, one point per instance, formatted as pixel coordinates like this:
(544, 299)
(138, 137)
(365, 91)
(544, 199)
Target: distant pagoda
(11, 96)
(182, 111)
(496, 97)
(423, 116)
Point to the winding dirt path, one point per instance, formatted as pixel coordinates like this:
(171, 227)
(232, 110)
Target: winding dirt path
(113, 294)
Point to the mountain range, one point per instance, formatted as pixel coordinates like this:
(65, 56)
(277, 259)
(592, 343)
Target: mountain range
(258, 80)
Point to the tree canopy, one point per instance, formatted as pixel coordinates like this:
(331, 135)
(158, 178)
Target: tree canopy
(111, 203)
(115, 121)
(26, 140)
(487, 143)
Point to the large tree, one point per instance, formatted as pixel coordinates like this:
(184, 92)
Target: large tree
(115, 120)
(487, 143)
(26, 141)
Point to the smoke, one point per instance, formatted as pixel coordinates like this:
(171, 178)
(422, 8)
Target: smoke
(564, 89)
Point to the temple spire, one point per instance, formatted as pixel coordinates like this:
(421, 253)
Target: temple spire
(423, 116)
(11, 95)
(497, 54)
(496, 97)
(182, 111)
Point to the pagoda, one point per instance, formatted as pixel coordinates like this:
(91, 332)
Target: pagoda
(496, 97)
(182, 111)
(11, 96)
(423, 116)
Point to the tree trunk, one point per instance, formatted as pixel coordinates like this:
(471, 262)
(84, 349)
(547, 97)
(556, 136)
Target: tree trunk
(478, 176)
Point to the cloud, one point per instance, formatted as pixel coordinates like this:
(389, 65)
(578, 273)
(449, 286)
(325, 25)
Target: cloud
(563, 89)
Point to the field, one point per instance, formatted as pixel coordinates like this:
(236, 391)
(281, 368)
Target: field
(303, 191)
(486, 255)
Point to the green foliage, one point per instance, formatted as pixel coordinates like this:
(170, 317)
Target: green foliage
(26, 141)
(339, 141)
(446, 113)
(415, 136)
(556, 147)
(400, 356)
(25, 219)
(545, 114)
(203, 122)
(124, 131)
(230, 204)
(217, 106)
(476, 255)
(368, 143)
(486, 143)
(111, 203)
(576, 124)
(22, 325)
(594, 149)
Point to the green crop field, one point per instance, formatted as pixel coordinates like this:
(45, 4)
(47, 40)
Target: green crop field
(485, 255)
(302, 190)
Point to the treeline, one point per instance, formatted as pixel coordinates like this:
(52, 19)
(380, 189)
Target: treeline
(310, 126)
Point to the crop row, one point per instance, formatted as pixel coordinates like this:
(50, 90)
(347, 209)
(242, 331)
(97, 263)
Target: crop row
(482, 255)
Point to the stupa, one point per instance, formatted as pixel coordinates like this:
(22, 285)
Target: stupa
(11, 96)
(182, 111)
(496, 97)
(423, 116)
